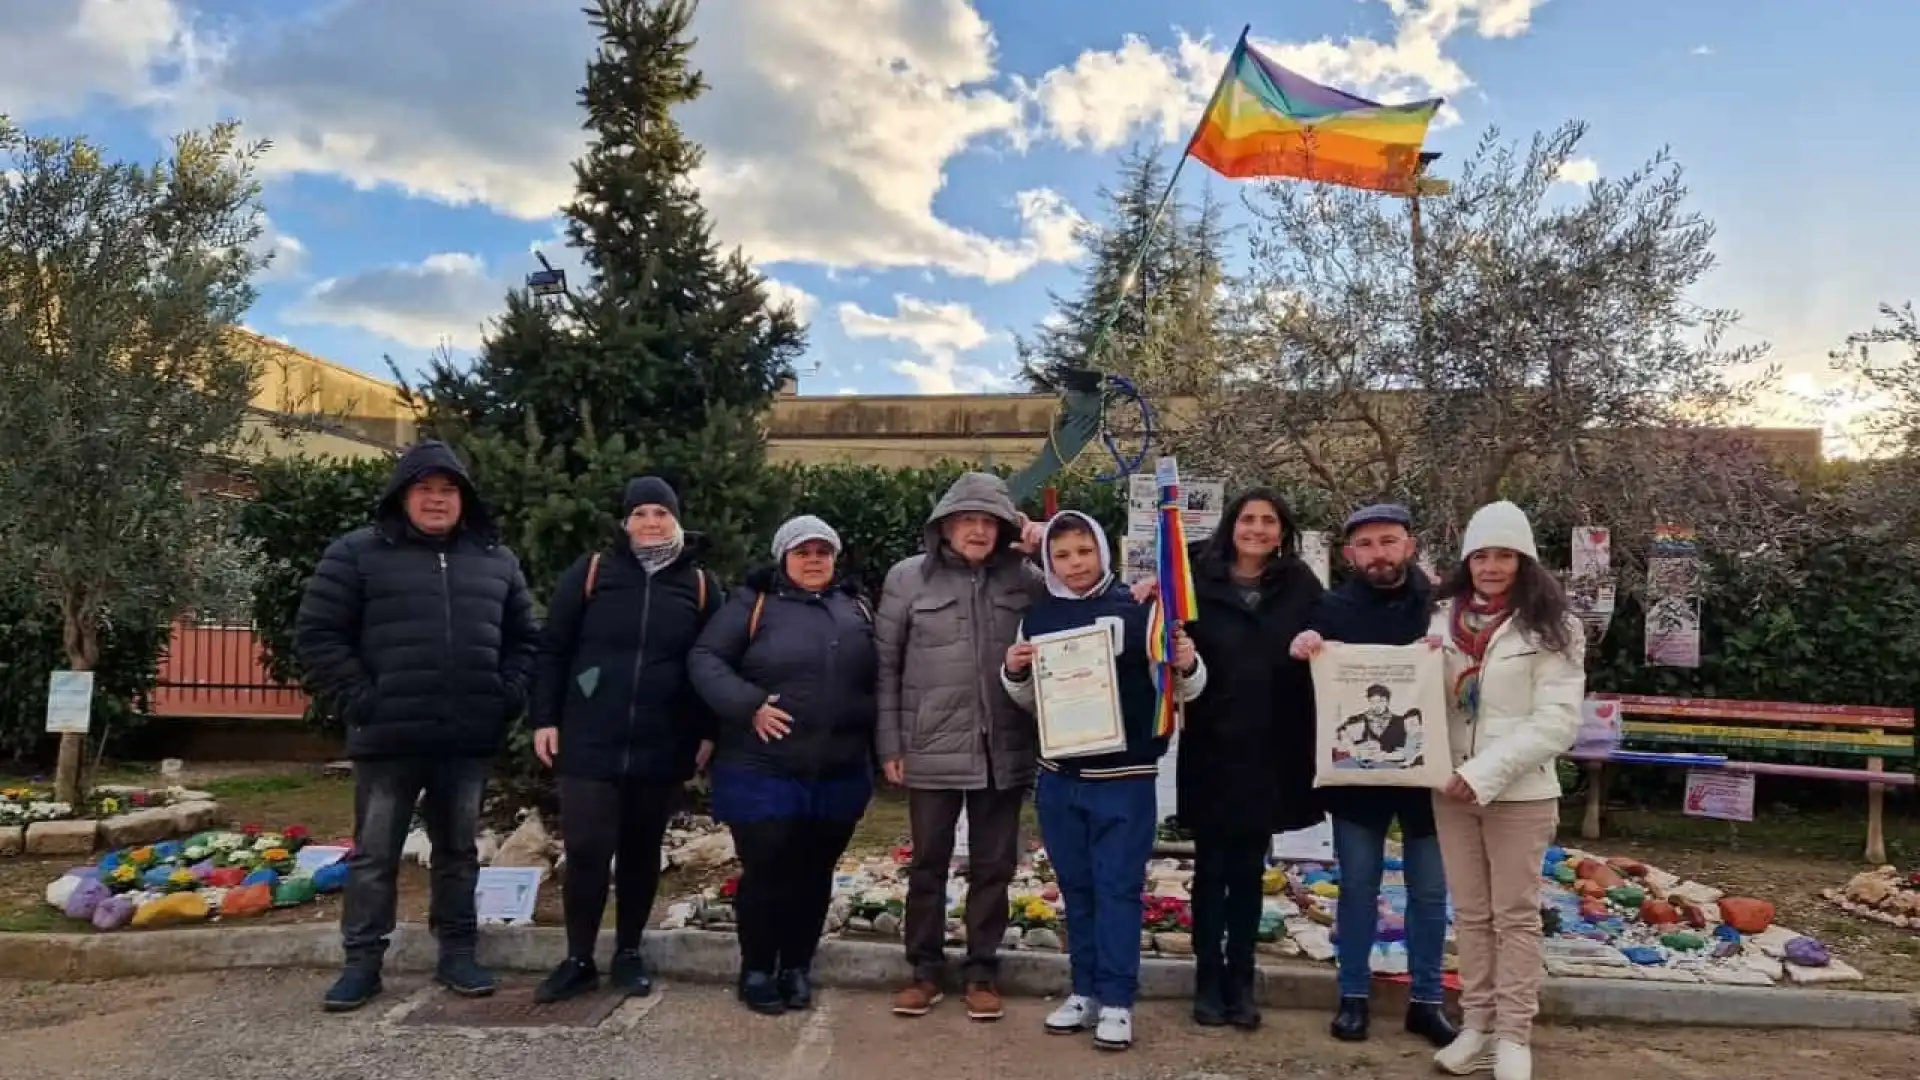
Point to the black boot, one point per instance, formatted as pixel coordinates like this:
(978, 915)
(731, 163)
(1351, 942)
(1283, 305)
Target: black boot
(1350, 1023)
(357, 985)
(760, 991)
(1429, 1021)
(575, 976)
(796, 989)
(630, 977)
(1243, 1005)
(462, 974)
(1209, 998)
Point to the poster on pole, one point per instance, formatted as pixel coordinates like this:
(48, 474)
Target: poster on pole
(1590, 584)
(1316, 551)
(69, 702)
(1673, 599)
(1203, 501)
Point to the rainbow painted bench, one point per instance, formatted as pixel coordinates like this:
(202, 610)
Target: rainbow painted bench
(1706, 733)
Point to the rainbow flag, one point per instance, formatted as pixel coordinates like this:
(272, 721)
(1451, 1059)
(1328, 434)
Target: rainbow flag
(1266, 121)
(1174, 576)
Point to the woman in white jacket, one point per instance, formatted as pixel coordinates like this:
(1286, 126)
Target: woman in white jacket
(1515, 659)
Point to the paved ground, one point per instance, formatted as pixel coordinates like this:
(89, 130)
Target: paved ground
(248, 1025)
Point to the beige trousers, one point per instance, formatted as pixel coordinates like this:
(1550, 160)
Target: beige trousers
(1493, 855)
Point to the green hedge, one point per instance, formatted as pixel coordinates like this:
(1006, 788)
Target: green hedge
(30, 648)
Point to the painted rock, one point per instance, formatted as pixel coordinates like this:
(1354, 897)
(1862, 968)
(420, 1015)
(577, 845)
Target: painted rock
(247, 900)
(1723, 949)
(261, 877)
(171, 910)
(1807, 952)
(1563, 873)
(1692, 914)
(1642, 955)
(1629, 867)
(1556, 854)
(1327, 889)
(1550, 921)
(226, 877)
(1627, 896)
(60, 889)
(1658, 913)
(1727, 933)
(156, 877)
(168, 850)
(1595, 870)
(333, 877)
(1682, 941)
(113, 913)
(203, 869)
(1747, 915)
(1592, 889)
(1593, 910)
(85, 898)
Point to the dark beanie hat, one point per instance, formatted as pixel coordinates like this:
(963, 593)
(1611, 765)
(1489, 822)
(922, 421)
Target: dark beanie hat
(650, 491)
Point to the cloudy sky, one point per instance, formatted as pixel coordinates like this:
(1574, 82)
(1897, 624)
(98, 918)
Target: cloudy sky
(910, 171)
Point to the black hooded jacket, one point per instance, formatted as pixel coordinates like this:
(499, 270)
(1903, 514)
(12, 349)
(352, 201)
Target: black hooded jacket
(427, 642)
(613, 667)
(814, 650)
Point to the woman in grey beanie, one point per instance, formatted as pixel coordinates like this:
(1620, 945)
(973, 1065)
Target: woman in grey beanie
(788, 668)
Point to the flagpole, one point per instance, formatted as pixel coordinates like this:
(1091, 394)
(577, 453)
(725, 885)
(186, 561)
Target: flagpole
(1159, 211)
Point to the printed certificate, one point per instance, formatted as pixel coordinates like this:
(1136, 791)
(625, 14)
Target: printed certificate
(1076, 693)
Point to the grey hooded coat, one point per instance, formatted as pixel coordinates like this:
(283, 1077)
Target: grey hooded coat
(943, 630)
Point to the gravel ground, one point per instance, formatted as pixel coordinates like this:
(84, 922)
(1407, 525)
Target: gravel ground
(246, 1025)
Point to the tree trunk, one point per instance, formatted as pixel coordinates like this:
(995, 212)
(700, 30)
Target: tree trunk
(81, 637)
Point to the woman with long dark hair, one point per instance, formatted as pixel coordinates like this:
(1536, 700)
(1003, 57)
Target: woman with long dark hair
(1246, 752)
(1515, 659)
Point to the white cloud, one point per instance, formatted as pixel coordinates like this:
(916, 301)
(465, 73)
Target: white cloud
(290, 256)
(1578, 171)
(829, 128)
(444, 299)
(1105, 97)
(939, 332)
(805, 304)
(1701, 50)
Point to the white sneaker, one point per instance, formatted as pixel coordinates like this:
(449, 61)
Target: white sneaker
(1076, 1014)
(1115, 1031)
(1512, 1061)
(1470, 1052)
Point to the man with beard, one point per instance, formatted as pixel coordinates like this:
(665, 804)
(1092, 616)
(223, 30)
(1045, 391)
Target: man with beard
(1385, 601)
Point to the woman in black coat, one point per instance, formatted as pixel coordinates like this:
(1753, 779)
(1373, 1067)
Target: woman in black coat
(788, 667)
(615, 718)
(1246, 751)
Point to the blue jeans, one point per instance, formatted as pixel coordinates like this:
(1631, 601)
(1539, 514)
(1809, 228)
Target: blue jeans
(1099, 836)
(1360, 849)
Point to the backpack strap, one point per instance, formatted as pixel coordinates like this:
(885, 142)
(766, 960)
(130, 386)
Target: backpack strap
(753, 620)
(593, 575)
(701, 589)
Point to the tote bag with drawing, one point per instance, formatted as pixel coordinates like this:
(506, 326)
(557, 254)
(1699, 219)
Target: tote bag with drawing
(1381, 716)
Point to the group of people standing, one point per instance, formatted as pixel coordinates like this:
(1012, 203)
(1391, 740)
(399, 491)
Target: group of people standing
(796, 696)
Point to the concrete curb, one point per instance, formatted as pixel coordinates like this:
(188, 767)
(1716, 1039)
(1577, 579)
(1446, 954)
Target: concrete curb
(708, 957)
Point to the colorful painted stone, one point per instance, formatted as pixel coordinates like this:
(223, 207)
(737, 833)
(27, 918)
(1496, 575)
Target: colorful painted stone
(1564, 874)
(85, 898)
(1627, 896)
(1643, 955)
(1807, 952)
(1725, 932)
(174, 910)
(1658, 913)
(113, 913)
(330, 878)
(1325, 888)
(1595, 870)
(226, 877)
(245, 901)
(1745, 914)
(261, 877)
(1683, 941)
(293, 891)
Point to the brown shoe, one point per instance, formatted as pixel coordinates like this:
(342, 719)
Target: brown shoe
(917, 999)
(983, 1002)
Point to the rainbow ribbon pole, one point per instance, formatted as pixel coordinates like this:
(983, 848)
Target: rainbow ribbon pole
(1174, 575)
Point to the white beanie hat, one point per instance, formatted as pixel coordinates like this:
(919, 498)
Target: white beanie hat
(1500, 525)
(799, 530)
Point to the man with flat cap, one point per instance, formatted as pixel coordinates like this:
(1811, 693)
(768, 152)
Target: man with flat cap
(1386, 600)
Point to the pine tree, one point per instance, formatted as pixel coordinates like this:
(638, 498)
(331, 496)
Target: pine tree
(1166, 323)
(662, 361)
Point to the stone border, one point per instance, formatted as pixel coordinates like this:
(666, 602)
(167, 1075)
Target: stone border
(80, 837)
(703, 956)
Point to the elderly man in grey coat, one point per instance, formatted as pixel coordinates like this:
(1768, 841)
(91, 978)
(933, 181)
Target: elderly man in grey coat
(948, 731)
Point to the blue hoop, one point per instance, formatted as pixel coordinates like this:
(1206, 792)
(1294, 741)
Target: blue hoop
(1122, 388)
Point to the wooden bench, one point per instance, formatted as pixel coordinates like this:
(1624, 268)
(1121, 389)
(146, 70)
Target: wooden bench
(1711, 725)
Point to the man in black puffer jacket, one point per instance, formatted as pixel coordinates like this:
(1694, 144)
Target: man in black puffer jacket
(420, 625)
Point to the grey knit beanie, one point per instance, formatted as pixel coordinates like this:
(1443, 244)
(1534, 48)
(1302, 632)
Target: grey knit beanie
(801, 529)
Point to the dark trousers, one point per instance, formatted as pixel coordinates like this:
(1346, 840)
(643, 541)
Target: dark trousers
(993, 851)
(1227, 868)
(1099, 836)
(786, 886)
(384, 794)
(618, 824)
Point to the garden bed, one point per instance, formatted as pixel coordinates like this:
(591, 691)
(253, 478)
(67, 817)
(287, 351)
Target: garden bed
(33, 822)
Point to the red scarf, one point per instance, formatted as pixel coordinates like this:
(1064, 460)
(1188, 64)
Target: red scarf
(1474, 621)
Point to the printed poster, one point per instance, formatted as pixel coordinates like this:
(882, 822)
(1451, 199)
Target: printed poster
(1600, 728)
(69, 702)
(1590, 583)
(1382, 716)
(1317, 553)
(1673, 599)
(1204, 501)
(1721, 795)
